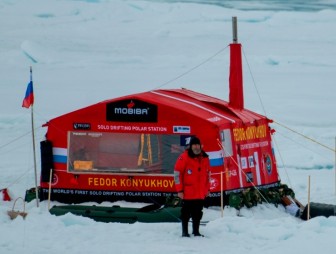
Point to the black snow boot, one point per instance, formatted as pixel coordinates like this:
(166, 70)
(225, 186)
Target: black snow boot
(185, 228)
(185, 234)
(196, 225)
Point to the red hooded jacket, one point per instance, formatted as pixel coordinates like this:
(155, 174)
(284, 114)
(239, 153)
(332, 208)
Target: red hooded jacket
(192, 175)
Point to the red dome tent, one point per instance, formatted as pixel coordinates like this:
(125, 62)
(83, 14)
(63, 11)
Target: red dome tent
(125, 148)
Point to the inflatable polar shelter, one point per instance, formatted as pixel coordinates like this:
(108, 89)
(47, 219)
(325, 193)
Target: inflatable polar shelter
(125, 148)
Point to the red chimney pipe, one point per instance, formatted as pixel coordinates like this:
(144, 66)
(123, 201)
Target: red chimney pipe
(236, 95)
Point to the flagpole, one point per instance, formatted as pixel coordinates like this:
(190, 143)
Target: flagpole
(33, 136)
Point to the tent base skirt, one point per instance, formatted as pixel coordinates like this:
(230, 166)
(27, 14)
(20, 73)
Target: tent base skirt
(148, 214)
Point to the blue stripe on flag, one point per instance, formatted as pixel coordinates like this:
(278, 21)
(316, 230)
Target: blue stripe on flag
(216, 162)
(60, 159)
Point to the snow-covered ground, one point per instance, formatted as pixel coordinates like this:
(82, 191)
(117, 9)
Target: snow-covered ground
(83, 52)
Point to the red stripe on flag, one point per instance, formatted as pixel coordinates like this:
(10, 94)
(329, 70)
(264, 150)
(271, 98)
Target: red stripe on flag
(29, 97)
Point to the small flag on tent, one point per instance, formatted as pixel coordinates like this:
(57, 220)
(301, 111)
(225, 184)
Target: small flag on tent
(29, 97)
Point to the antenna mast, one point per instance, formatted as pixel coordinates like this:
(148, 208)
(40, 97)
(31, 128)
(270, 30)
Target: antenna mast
(234, 30)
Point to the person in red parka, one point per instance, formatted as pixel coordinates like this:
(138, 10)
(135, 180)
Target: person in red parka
(192, 182)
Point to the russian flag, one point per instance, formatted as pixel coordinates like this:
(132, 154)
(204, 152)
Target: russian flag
(29, 97)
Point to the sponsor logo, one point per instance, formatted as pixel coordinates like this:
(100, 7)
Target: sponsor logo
(232, 172)
(185, 140)
(243, 162)
(251, 161)
(213, 183)
(131, 111)
(82, 126)
(268, 163)
(54, 180)
(181, 129)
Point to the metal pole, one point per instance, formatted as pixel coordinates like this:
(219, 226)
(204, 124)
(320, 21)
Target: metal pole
(35, 171)
(222, 206)
(33, 136)
(234, 30)
(335, 165)
(308, 205)
(49, 190)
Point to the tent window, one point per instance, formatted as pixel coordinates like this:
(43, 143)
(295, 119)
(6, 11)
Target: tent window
(226, 142)
(122, 152)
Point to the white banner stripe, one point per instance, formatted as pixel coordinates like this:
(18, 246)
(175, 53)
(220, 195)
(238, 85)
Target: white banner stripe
(60, 151)
(215, 154)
